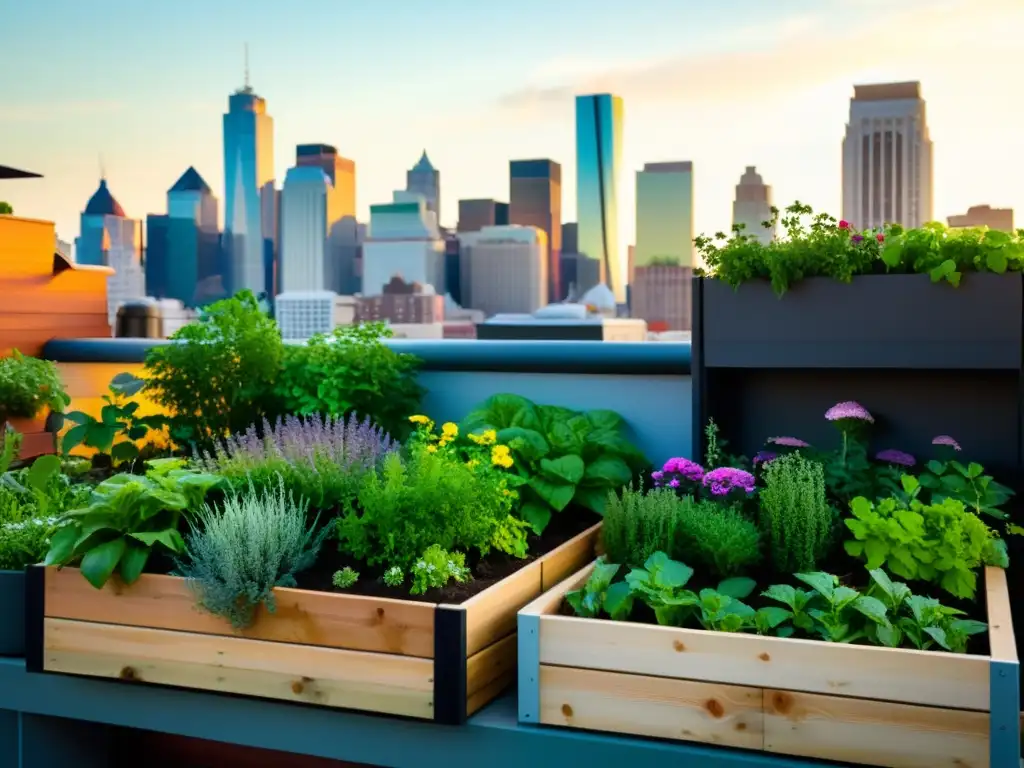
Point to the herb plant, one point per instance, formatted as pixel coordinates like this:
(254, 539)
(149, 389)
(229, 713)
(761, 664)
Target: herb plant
(638, 524)
(717, 538)
(795, 516)
(969, 484)
(345, 578)
(436, 568)
(564, 457)
(600, 595)
(237, 554)
(27, 385)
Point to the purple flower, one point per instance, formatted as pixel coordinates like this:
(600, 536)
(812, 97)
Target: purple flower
(725, 479)
(857, 238)
(763, 457)
(892, 456)
(789, 442)
(690, 470)
(673, 483)
(656, 476)
(946, 440)
(849, 410)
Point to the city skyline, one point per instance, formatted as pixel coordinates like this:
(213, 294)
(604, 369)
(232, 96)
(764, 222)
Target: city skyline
(787, 120)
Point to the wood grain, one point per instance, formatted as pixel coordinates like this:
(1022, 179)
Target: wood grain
(1001, 640)
(491, 615)
(561, 563)
(874, 732)
(304, 617)
(327, 677)
(489, 672)
(639, 705)
(551, 601)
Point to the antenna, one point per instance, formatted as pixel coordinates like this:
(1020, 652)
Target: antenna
(247, 87)
(103, 169)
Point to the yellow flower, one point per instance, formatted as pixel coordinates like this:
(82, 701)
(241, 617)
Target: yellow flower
(486, 438)
(444, 441)
(419, 419)
(432, 449)
(450, 430)
(500, 456)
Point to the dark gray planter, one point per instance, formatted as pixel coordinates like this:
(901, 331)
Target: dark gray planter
(924, 358)
(876, 321)
(12, 613)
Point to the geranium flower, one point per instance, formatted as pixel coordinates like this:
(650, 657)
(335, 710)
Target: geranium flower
(947, 441)
(849, 409)
(789, 442)
(893, 456)
(723, 480)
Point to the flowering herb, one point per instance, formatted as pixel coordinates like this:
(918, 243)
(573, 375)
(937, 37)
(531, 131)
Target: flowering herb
(725, 480)
(947, 441)
(849, 411)
(678, 473)
(763, 457)
(789, 442)
(893, 456)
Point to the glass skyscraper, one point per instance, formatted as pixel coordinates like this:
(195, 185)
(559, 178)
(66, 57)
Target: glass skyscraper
(598, 176)
(536, 201)
(248, 179)
(664, 213)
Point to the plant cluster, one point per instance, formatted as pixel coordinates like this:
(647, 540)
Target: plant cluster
(818, 245)
(28, 385)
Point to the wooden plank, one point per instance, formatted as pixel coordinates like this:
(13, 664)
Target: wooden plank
(489, 672)
(874, 732)
(558, 565)
(551, 601)
(1001, 640)
(304, 617)
(491, 615)
(915, 677)
(327, 677)
(651, 706)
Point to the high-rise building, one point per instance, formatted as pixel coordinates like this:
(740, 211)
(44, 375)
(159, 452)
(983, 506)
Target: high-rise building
(411, 310)
(599, 121)
(536, 201)
(570, 237)
(984, 216)
(250, 198)
(155, 255)
(474, 215)
(109, 238)
(403, 240)
(424, 180)
(192, 244)
(303, 314)
(664, 213)
(340, 170)
(753, 206)
(887, 157)
(504, 269)
(661, 296)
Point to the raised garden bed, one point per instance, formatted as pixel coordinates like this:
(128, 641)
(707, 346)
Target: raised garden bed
(875, 706)
(419, 659)
(12, 609)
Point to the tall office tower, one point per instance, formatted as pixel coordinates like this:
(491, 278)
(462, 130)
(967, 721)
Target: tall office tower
(887, 157)
(249, 197)
(154, 256)
(340, 170)
(536, 201)
(424, 180)
(661, 296)
(664, 213)
(599, 121)
(109, 238)
(753, 206)
(192, 238)
(403, 240)
(570, 237)
(984, 216)
(474, 215)
(306, 219)
(504, 269)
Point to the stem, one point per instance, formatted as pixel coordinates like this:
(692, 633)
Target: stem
(842, 459)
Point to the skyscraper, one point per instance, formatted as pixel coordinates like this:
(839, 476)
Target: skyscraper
(404, 240)
(474, 215)
(504, 269)
(249, 190)
(423, 179)
(536, 201)
(599, 121)
(664, 213)
(887, 157)
(340, 170)
(753, 206)
(192, 239)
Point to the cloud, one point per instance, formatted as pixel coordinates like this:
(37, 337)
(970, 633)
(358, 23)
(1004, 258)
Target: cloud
(800, 53)
(42, 113)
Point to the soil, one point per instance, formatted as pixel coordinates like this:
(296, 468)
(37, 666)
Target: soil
(486, 571)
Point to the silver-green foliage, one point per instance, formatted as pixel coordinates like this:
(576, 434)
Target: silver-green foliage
(795, 516)
(238, 554)
(636, 525)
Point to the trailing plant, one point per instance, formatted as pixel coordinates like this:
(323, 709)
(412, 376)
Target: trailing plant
(795, 516)
(27, 385)
(717, 538)
(941, 542)
(564, 457)
(128, 516)
(236, 555)
(119, 427)
(436, 568)
(320, 459)
(352, 371)
(219, 375)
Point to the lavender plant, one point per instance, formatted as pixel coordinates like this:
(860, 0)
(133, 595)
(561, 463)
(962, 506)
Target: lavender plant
(320, 459)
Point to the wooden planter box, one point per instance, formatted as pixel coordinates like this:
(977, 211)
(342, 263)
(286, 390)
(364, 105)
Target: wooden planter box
(902, 346)
(422, 660)
(36, 440)
(12, 613)
(859, 704)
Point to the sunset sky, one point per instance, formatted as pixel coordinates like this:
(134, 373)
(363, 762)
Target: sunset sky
(724, 84)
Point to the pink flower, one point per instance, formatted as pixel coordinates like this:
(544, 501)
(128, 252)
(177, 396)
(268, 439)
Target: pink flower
(844, 224)
(690, 470)
(849, 409)
(880, 237)
(789, 442)
(763, 457)
(946, 440)
(725, 479)
(857, 238)
(892, 456)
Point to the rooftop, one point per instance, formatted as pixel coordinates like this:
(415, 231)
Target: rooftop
(102, 203)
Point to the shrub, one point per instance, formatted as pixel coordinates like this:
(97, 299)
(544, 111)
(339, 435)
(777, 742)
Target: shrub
(27, 385)
(716, 537)
(236, 556)
(636, 525)
(219, 376)
(795, 517)
(352, 371)
(322, 460)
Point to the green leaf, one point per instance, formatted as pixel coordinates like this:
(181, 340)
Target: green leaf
(74, 437)
(133, 561)
(873, 608)
(124, 452)
(594, 499)
(772, 615)
(558, 495)
(738, 587)
(673, 574)
(138, 432)
(604, 420)
(876, 550)
(127, 384)
(169, 538)
(79, 417)
(537, 515)
(938, 634)
(42, 469)
(996, 261)
(823, 583)
(100, 562)
(62, 545)
(608, 470)
(528, 443)
(892, 253)
(969, 626)
(881, 578)
(568, 469)
(618, 601)
(889, 636)
(101, 436)
(783, 593)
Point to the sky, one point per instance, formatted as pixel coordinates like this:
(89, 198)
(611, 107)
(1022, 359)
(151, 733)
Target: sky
(140, 90)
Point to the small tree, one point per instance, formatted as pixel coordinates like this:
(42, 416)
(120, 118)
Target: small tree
(5, 208)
